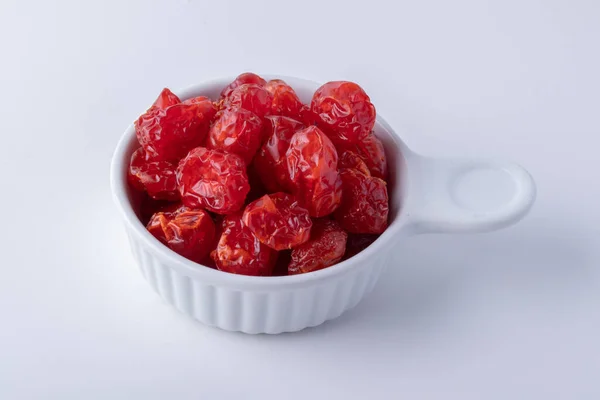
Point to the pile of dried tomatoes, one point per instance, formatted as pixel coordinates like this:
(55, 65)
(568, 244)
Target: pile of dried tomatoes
(257, 183)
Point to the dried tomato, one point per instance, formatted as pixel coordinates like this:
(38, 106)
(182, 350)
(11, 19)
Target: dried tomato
(213, 180)
(270, 162)
(236, 131)
(307, 116)
(344, 111)
(240, 252)
(357, 243)
(247, 77)
(371, 151)
(168, 134)
(189, 233)
(349, 159)
(250, 97)
(262, 140)
(312, 165)
(278, 221)
(325, 248)
(364, 207)
(285, 100)
(166, 98)
(157, 178)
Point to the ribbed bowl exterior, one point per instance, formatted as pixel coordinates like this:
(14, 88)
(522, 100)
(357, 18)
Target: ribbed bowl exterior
(256, 311)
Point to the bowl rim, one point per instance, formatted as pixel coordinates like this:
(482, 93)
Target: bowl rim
(118, 183)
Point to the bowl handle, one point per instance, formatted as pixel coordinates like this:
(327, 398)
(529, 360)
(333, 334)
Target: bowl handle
(449, 195)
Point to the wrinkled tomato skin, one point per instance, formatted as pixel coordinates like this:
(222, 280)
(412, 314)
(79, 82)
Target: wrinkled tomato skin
(240, 252)
(307, 116)
(213, 180)
(270, 161)
(168, 134)
(189, 233)
(236, 131)
(250, 97)
(196, 100)
(166, 98)
(344, 111)
(350, 160)
(325, 248)
(357, 243)
(285, 100)
(371, 151)
(364, 207)
(278, 221)
(157, 178)
(245, 78)
(312, 166)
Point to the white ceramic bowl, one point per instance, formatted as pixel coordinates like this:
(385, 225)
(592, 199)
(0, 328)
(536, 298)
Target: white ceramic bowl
(426, 195)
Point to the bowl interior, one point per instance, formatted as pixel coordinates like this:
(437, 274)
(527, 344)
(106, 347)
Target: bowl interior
(395, 150)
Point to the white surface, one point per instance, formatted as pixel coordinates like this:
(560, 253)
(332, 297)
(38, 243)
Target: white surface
(513, 314)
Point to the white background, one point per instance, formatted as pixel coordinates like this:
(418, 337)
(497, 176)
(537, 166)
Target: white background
(509, 315)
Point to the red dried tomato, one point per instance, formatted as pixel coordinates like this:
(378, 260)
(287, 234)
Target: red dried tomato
(189, 233)
(297, 157)
(307, 116)
(168, 134)
(357, 243)
(247, 77)
(250, 97)
(278, 221)
(371, 151)
(312, 165)
(213, 180)
(351, 160)
(344, 111)
(325, 248)
(236, 131)
(285, 100)
(240, 252)
(165, 99)
(157, 178)
(364, 207)
(270, 162)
